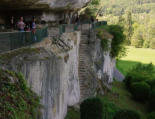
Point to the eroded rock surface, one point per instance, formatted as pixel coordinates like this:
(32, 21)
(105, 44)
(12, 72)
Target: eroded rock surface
(62, 76)
(43, 4)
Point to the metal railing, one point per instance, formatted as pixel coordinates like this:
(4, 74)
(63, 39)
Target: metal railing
(94, 25)
(14, 40)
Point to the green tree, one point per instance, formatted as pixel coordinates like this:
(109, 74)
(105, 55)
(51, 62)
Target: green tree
(137, 38)
(128, 27)
(91, 10)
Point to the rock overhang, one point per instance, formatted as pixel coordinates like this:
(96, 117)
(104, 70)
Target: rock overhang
(54, 5)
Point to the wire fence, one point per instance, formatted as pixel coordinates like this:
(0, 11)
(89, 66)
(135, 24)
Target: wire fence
(63, 28)
(14, 40)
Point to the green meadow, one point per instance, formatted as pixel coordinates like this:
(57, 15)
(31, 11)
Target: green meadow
(134, 56)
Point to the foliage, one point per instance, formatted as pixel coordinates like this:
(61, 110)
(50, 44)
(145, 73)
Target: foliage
(17, 100)
(143, 15)
(127, 114)
(151, 115)
(91, 109)
(72, 113)
(152, 44)
(140, 80)
(109, 109)
(137, 38)
(120, 97)
(117, 45)
(104, 41)
(91, 10)
(128, 27)
(139, 73)
(95, 2)
(152, 100)
(140, 90)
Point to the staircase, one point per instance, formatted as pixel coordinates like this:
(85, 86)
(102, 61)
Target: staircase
(83, 68)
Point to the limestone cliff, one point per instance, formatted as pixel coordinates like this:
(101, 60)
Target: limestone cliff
(45, 10)
(61, 75)
(43, 4)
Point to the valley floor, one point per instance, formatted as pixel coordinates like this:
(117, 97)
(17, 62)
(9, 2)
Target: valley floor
(134, 56)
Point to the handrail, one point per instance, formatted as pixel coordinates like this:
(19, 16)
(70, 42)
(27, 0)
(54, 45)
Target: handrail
(13, 40)
(62, 27)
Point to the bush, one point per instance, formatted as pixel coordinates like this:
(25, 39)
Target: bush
(109, 109)
(91, 109)
(127, 114)
(152, 44)
(117, 45)
(72, 113)
(151, 83)
(152, 100)
(151, 115)
(140, 73)
(17, 100)
(140, 90)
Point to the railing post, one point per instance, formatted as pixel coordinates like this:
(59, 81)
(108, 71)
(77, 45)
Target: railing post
(10, 41)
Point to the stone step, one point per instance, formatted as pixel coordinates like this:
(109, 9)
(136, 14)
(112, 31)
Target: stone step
(83, 77)
(83, 49)
(81, 69)
(83, 54)
(82, 62)
(83, 45)
(82, 58)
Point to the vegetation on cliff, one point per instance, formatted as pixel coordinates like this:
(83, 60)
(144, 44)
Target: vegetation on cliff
(117, 44)
(17, 100)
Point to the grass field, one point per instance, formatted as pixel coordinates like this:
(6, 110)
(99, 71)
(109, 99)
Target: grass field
(122, 98)
(134, 56)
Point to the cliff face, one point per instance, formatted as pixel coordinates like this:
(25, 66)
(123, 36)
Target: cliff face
(54, 78)
(42, 4)
(53, 72)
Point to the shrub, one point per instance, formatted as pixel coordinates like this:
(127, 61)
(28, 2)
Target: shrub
(109, 109)
(17, 100)
(151, 83)
(104, 42)
(127, 114)
(91, 109)
(129, 79)
(151, 115)
(152, 44)
(140, 90)
(72, 113)
(140, 73)
(152, 100)
(117, 45)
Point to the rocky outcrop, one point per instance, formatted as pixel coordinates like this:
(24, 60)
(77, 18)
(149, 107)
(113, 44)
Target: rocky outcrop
(45, 10)
(43, 4)
(53, 77)
(62, 74)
